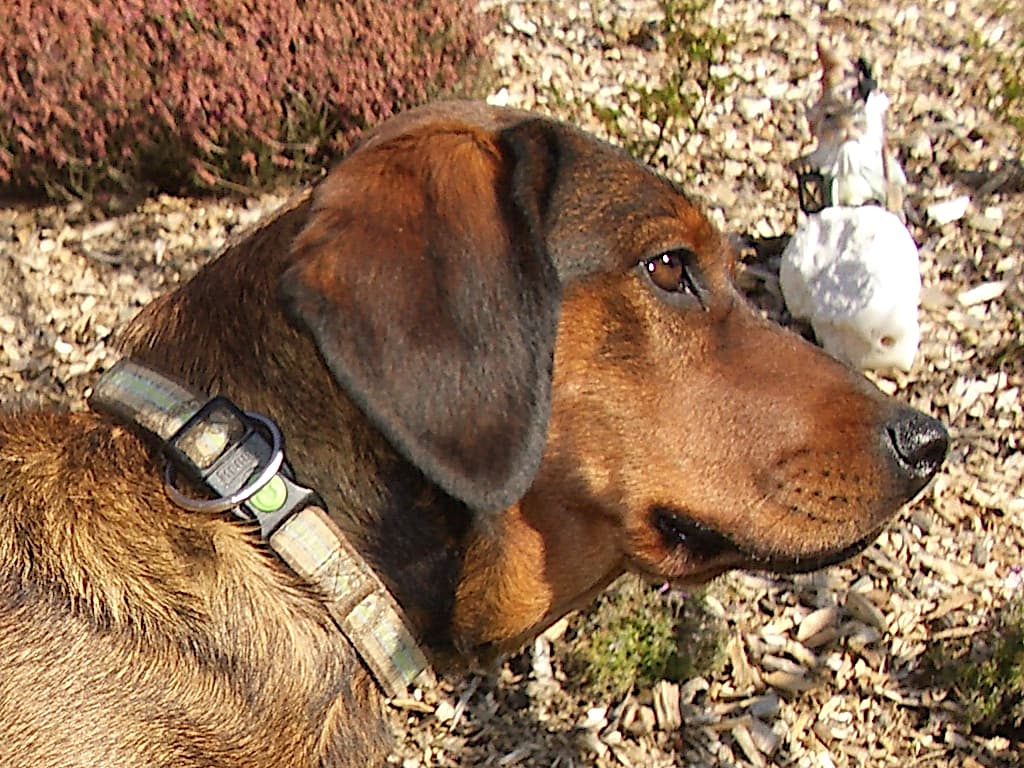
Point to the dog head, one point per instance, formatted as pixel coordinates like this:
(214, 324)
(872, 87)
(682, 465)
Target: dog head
(547, 333)
(550, 332)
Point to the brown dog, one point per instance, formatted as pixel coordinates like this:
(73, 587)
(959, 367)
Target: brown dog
(512, 362)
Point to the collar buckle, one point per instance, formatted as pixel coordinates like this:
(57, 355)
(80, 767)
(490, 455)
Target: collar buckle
(238, 455)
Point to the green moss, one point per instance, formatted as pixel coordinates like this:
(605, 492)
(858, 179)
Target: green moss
(1006, 62)
(636, 635)
(694, 46)
(1012, 106)
(987, 676)
(990, 683)
(687, 85)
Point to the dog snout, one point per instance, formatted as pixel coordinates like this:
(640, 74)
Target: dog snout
(918, 444)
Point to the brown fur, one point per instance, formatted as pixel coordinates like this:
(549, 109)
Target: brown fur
(497, 405)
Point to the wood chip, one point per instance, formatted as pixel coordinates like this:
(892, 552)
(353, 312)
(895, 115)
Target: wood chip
(982, 293)
(666, 705)
(817, 621)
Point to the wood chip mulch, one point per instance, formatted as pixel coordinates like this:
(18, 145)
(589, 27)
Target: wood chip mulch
(824, 669)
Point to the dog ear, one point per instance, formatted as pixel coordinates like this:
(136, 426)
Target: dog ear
(423, 277)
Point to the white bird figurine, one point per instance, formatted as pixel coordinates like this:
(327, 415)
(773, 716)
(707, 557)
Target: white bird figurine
(852, 269)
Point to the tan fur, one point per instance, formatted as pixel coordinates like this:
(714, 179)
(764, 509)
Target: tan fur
(679, 441)
(134, 634)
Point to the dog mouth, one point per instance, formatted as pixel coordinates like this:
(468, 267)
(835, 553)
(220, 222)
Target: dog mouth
(701, 542)
(700, 553)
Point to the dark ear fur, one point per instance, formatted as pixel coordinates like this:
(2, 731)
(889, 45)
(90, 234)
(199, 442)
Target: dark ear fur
(423, 276)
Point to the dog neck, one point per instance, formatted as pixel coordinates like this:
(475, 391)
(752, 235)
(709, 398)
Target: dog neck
(219, 446)
(216, 339)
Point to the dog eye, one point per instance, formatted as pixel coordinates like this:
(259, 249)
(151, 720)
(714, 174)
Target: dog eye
(670, 272)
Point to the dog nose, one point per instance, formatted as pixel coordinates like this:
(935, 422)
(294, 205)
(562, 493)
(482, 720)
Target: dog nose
(919, 444)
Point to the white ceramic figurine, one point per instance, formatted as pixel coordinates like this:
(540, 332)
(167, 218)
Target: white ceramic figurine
(852, 269)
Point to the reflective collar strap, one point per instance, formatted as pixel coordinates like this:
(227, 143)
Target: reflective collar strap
(308, 540)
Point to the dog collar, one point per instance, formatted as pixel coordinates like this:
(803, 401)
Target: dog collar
(239, 456)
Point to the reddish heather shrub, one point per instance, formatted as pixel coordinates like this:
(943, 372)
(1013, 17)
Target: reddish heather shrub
(101, 94)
